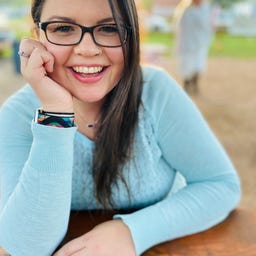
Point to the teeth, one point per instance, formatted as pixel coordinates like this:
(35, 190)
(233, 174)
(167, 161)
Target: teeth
(88, 70)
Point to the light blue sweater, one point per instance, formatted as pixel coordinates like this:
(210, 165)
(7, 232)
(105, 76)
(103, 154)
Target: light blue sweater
(180, 176)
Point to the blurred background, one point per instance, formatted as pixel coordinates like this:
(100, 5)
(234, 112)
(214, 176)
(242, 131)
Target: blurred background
(227, 95)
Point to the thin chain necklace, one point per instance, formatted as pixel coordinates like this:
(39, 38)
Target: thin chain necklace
(92, 125)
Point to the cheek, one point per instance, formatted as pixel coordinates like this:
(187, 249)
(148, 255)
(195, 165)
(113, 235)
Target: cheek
(59, 53)
(116, 56)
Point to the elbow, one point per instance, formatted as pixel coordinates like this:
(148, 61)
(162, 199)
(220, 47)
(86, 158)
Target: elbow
(234, 186)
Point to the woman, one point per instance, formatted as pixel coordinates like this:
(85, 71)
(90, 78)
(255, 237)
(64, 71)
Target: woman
(107, 134)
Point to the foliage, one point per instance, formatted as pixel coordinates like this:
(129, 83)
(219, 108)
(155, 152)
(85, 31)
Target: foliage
(147, 4)
(14, 2)
(223, 44)
(225, 3)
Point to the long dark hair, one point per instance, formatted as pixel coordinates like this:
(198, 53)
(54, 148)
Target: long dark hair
(115, 135)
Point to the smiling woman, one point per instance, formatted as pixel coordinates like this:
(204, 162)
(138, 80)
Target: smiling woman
(97, 130)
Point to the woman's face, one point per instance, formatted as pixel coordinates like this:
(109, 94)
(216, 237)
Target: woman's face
(86, 70)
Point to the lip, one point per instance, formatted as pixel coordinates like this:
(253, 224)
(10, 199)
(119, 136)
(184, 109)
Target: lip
(88, 78)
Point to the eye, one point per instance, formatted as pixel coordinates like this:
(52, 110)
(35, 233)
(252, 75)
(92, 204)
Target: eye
(110, 29)
(61, 28)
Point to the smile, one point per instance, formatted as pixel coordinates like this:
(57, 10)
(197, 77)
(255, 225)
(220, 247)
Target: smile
(89, 74)
(88, 70)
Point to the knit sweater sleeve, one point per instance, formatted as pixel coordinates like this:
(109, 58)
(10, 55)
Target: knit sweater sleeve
(189, 146)
(35, 171)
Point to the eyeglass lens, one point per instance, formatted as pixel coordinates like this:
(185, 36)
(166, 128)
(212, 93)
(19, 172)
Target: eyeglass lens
(63, 33)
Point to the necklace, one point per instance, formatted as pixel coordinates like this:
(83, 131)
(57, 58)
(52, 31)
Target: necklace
(82, 121)
(92, 125)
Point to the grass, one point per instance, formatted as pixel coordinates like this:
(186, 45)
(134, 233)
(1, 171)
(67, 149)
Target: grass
(223, 45)
(233, 46)
(159, 38)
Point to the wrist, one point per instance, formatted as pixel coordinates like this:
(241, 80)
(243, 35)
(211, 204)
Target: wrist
(66, 107)
(55, 119)
(58, 109)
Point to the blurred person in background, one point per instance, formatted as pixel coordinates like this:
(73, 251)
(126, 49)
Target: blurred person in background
(193, 37)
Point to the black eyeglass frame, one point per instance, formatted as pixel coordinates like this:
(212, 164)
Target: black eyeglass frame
(84, 29)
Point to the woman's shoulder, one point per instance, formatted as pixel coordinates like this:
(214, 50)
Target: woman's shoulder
(161, 95)
(158, 83)
(150, 71)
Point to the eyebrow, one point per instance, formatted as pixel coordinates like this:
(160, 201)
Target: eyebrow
(66, 19)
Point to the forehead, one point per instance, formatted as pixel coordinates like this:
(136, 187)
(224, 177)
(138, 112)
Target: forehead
(81, 11)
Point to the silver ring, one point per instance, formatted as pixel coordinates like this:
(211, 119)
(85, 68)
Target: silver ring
(23, 54)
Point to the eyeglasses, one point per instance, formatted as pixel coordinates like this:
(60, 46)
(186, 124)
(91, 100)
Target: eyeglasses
(68, 33)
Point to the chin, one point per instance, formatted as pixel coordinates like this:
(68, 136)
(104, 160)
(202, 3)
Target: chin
(90, 99)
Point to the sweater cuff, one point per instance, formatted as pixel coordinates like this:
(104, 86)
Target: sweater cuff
(145, 228)
(51, 147)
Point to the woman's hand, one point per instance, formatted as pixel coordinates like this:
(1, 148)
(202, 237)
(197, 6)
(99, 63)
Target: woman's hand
(3, 252)
(107, 239)
(37, 65)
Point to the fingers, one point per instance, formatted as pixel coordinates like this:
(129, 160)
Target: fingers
(23, 54)
(27, 45)
(74, 247)
(3, 252)
(34, 58)
(41, 59)
(37, 67)
(81, 252)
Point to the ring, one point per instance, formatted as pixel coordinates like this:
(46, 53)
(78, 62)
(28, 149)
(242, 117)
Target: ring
(23, 54)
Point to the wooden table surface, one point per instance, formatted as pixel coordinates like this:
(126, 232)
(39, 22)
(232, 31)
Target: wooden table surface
(236, 236)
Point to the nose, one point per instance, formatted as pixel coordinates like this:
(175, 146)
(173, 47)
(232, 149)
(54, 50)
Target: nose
(87, 46)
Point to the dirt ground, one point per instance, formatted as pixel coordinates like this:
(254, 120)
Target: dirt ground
(227, 99)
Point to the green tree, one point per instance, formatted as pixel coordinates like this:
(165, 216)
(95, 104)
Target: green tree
(14, 2)
(147, 4)
(225, 3)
